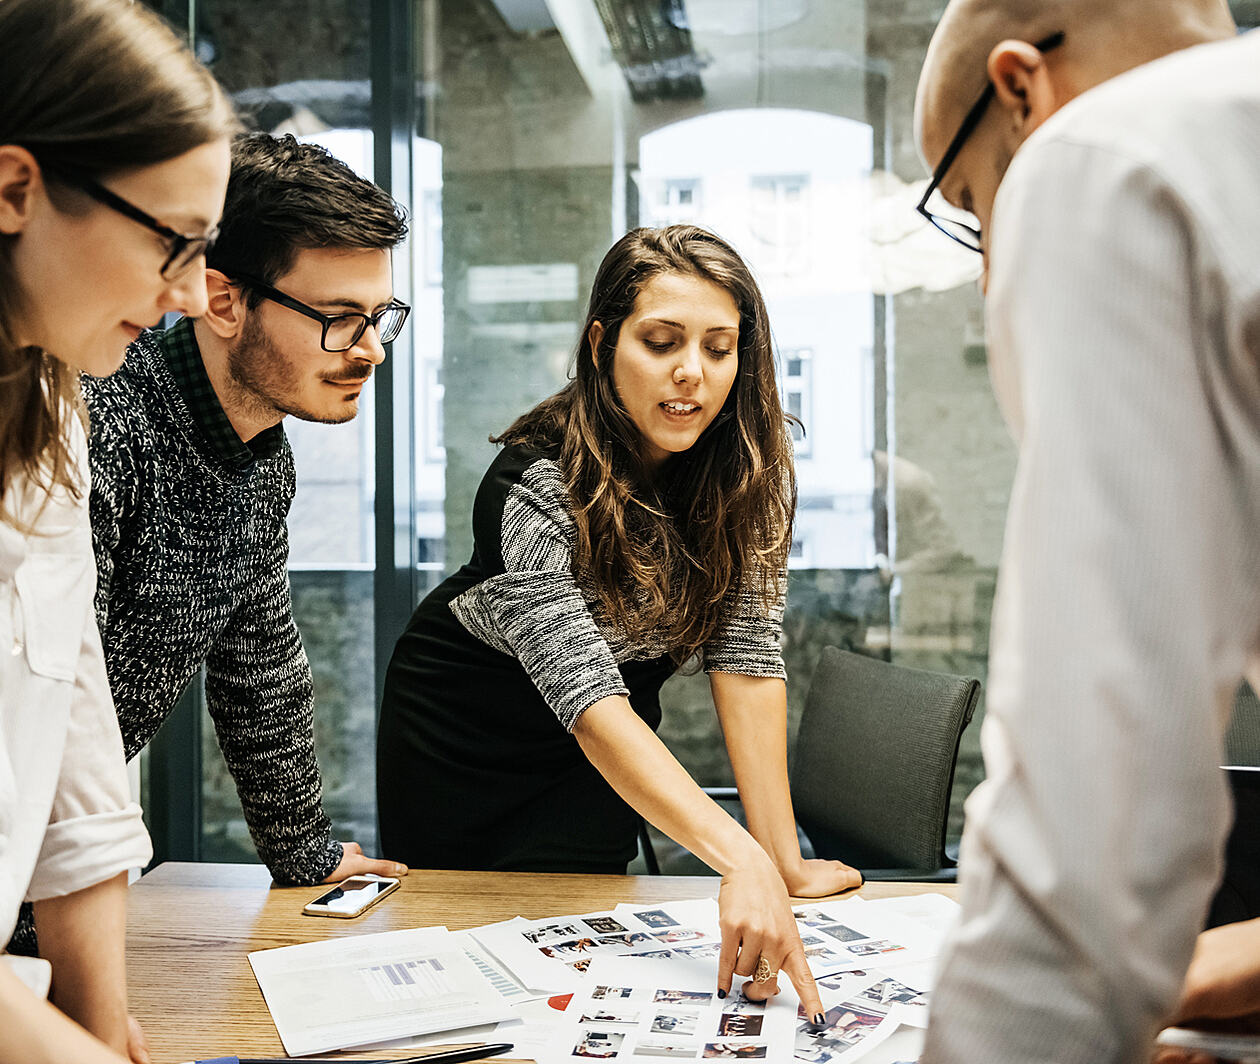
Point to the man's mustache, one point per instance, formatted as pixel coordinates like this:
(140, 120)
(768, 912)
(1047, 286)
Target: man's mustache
(350, 378)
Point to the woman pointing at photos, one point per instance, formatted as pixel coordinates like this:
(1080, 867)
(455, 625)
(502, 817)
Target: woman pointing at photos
(639, 517)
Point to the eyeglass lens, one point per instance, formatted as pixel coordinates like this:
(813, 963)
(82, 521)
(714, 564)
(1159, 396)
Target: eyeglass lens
(343, 332)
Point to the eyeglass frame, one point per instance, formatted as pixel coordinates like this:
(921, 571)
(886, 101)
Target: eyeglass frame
(326, 320)
(965, 130)
(179, 242)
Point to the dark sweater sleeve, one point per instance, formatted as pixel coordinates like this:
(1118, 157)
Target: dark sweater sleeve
(260, 696)
(748, 640)
(115, 483)
(534, 609)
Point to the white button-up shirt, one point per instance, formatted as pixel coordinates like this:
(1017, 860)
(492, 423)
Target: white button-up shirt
(67, 820)
(1124, 338)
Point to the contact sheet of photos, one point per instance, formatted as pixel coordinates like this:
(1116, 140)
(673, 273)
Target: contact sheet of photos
(555, 953)
(634, 1010)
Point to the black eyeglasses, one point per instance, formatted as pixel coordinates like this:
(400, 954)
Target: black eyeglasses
(341, 331)
(183, 249)
(968, 235)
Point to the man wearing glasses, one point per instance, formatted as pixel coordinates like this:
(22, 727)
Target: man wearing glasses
(192, 476)
(1105, 159)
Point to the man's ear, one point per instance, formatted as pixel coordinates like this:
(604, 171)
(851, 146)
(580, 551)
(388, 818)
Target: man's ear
(594, 336)
(225, 310)
(20, 180)
(1024, 86)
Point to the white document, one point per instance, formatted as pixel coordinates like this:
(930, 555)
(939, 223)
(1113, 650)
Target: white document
(364, 989)
(856, 1024)
(635, 1011)
(853, 935)
(553, 954)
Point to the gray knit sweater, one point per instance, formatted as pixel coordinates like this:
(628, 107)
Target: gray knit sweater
(192, 553)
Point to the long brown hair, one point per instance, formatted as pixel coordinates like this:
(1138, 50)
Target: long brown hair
(87, 87)
(671, 553)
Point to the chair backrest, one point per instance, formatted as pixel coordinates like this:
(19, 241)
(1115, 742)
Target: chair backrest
(874, 760)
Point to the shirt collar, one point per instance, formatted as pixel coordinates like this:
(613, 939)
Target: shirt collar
(183, 357)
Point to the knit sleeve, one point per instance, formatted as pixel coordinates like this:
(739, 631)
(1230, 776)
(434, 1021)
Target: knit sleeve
(261, 698)
(534, 610)
(748, 640)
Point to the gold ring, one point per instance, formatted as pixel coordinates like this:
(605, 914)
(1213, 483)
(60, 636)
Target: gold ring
(764, 972)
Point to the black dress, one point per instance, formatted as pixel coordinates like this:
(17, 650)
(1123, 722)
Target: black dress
(476, 766)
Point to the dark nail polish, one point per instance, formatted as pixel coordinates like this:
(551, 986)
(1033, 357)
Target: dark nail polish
(819, 1019)
(721, 993)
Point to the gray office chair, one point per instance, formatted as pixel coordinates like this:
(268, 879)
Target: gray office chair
(874, 764)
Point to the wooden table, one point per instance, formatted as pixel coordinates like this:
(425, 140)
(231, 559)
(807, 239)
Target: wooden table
(190, 927)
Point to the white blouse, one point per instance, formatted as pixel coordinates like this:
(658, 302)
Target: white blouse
(67, 820)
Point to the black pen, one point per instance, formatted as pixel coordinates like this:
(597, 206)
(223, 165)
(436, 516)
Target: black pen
(446, 1056)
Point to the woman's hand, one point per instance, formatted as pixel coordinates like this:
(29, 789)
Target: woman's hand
(137, 1043)
(817, 879)
(756, 921)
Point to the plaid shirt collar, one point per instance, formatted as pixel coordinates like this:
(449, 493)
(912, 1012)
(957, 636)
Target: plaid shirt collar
(179, 344)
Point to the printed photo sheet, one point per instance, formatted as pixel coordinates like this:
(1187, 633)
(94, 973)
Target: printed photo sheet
(853, 935)
(554, 954)
(636, 1011)
(363, 989)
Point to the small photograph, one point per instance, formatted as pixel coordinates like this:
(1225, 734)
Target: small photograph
(811, 940)
(604, 925)
(874, 948)
(678, 934)
(657, 953)
(609, 1014)
(680, 997)
(891, 992)
(611, 993)
(820, 953)
(679, 1023)
(631, 939)
(703, 950)
(550, 933)
(847, 1026)
(813, 917)
(580, 966)
(660, 1047)
(740, 1025)
(844, 934)
(741, 1004)
(564, 951)
(656, 918)
(734, 1051)
(600, 1044)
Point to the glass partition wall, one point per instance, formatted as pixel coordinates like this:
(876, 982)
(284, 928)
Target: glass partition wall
(523, 137)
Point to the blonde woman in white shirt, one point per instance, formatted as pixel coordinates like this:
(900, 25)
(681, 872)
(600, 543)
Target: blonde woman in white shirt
(113, 166)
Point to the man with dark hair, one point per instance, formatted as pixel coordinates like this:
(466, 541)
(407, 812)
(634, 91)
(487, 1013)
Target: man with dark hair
(192, 479)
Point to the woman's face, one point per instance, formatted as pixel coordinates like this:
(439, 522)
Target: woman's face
(675, 360)
(91, 278)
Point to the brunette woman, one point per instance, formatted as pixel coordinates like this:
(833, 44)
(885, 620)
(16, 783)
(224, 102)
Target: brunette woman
(637, 519)
(113, 166)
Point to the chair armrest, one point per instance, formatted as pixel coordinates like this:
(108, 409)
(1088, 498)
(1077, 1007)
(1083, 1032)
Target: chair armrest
(910, 875)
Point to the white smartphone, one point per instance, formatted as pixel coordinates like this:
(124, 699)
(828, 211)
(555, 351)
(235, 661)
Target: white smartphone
(351, 897)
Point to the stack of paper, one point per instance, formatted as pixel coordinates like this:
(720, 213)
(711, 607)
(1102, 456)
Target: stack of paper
(625, 985)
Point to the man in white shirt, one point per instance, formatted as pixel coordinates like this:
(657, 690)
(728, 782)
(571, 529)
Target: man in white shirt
(1110, 155)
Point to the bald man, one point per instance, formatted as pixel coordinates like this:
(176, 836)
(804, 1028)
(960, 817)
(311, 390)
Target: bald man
(1108, 154)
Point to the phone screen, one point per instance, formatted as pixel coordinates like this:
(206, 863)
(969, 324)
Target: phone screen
(353, 894)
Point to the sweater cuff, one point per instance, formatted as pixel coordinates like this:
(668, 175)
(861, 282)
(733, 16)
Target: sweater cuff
(308, 868)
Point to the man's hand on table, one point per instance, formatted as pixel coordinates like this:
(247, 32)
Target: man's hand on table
(815, 878)
(1222, 987)
(354, 863)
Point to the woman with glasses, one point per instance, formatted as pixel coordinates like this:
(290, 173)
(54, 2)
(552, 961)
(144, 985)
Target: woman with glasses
(635, 520)
(113, 164)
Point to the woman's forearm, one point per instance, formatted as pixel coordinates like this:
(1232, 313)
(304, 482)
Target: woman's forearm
(753, 714)
(639, 767)
(36, 1033)
(82, 935)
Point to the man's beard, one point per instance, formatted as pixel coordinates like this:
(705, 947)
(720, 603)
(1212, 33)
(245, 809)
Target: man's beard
(266, 381)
